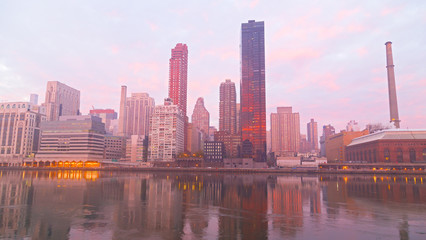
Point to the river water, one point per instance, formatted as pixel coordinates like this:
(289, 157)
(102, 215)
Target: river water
(128, 205)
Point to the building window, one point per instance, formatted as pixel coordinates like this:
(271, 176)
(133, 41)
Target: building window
(387, 155)
(424, 154)
(369, 156)
(399, 155)
(374, 156)
(365, 155)
(412, 155)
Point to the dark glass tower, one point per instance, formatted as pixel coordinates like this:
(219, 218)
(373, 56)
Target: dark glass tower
(253, 100)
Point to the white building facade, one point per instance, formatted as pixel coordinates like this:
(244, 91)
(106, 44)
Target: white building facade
(166, 132)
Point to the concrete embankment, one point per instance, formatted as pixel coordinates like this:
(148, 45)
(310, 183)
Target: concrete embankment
(226, 170)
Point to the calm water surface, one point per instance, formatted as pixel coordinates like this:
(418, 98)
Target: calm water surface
(122, 205)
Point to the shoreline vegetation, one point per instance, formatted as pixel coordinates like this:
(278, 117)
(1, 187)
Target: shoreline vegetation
(223, 170)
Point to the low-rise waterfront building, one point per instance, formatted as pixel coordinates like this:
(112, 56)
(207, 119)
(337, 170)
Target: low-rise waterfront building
(213, 151)
(389, 146)
(73, 140)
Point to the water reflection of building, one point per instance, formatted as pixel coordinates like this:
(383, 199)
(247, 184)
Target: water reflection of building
(15, 194)
(164, 205)
(288, 199)
(244, 205)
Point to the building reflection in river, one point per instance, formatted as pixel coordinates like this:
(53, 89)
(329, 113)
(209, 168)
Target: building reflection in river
(114, 205)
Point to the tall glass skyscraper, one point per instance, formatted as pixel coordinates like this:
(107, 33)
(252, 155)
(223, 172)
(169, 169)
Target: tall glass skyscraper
(253, 100)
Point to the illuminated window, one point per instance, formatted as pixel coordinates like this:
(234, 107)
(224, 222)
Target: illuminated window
(424, 154)
(387, 155)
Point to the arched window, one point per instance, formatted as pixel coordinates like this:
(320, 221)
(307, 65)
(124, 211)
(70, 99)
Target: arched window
(374, 156)
(412, 155)
(369, 155)
(365, 156)
(399, 155)
(357, 156)
(387, 155)
(424, 154)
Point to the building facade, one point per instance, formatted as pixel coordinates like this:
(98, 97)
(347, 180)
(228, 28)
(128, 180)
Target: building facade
(231, 143)
(115, 147)
(228, 107)
(72, 139)
(107, 115)
(335, 145)
(19, 131)
(137, 148)
(61, 100)
(139, 108)
(389, 146)
(201, 117)
(253, 99)
(166, 132)
(213, 151)
(312, 128)
(178, 76)
(327, 130)
(285, 132)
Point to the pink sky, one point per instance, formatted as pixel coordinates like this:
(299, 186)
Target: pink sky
(326, 59)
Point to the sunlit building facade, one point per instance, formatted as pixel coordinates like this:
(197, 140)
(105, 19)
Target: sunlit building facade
(228, 107)
(61, 100)
(178, 73)
(19, 132)
(285, 132)
(253, 99)
(139, 108)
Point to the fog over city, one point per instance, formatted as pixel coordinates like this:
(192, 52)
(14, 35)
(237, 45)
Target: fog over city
(326, 59)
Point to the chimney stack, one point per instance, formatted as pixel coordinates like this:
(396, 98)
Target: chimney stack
(393, 105)
(122, 118)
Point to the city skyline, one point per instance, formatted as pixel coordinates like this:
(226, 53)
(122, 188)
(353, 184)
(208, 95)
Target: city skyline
(338, 76)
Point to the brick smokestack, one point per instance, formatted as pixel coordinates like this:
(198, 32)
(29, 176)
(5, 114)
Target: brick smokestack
(393, 105)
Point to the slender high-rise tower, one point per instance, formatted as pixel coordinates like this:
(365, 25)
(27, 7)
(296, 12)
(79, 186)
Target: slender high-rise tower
(393, 105)
(178, 76)
(227, 107)
(253, 100)
(123, 113)
(312, 128)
